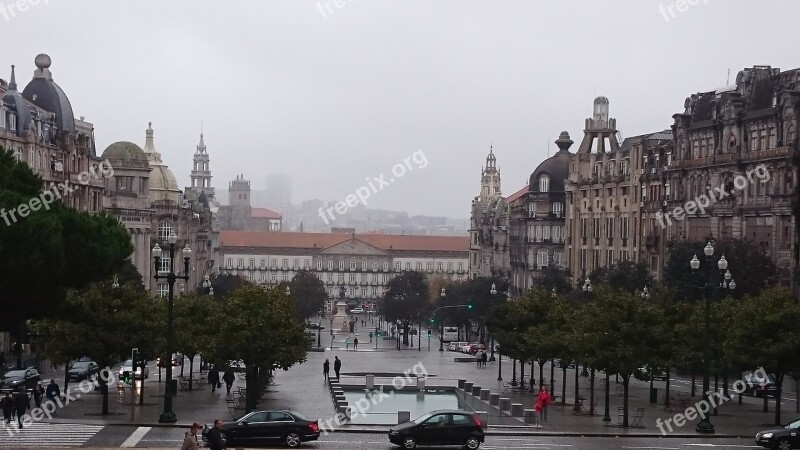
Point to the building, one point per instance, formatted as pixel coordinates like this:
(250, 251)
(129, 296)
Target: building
(362, 263)
(602, 208)
(739, 140)
(485, 218)
(144, 196)
(39, 126)
(239, 213)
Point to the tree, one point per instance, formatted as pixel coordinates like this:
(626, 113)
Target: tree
(308, 293)
(406, 300)
(762, 332)
(194, 327)
(624, 276)
(129, 274)
(259, 327)
(104, 324)
(554, 278)
(225, 284)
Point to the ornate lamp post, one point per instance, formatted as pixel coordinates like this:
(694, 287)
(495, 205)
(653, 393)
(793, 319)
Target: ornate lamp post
(705, 426)
(207, 288)
(441, 326)
(168, 416)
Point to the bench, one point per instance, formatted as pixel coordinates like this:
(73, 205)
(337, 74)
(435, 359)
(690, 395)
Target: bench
(636, 420)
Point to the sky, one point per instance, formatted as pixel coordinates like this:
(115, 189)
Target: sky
(337, 93)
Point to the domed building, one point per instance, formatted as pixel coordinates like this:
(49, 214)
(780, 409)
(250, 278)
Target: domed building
(163, 186)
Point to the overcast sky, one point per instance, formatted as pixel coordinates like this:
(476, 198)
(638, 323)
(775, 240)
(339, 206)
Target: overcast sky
(336, 96)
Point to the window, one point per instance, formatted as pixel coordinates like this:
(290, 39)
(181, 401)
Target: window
(430, 267)
(438, 267)
(229, 263)
(419, 266)
(556, 234)
(352, 265)
(240, 263)
(624, 167)
(163, 289)
(596, 228)
(531, 213)
(558, 209)
(583, 258)
(584, 226)
(546, 233)
(2, 118)
(273, 278)
(386, 266)
(252, 263)
(558, 259)
(364, 265)
(352, 278)
(374, 279)
(165, 229)
(263, 262)
(541, 259)
(12, 125)
(306, 264)
(374, 292)
(544, 183)
(624, 228)
(319, 265)
(341, 264)
(449, 267)
(596, 258)
(124, 184)
(166, 263)
(374, 265)
(609, 257)
(330, 277)
(285, 263)
(330, 264)
(460, 267)
(408, 266)
(398, 266)
(296, 264)
(341, 278)
(276, 416)
(610, 227)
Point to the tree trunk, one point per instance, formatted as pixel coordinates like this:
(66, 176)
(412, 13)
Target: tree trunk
(666, 389)
(766, 402)
(191, 369)
(251, 384)
(625, 382)
(563, 385)
(778, 390)
(693, 383)
(716, 389)
(141, 389)
(182, 360)
(104, 390)
(591, 393)
(66, 377)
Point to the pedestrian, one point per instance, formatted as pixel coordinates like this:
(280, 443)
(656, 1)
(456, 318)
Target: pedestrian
(38, 394)
(355, 343)
(326, 369)
(8, 406)
(484, 357)
(52, 390)
(213, 379)
(370, 337)
(190, 438)
(347, 343)
(214, 436)
(543, 400)
(228, 378)
(21, 403)
(337, 366)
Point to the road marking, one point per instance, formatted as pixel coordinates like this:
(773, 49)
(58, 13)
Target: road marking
(722, 445)
(135, 437)
(654, 448)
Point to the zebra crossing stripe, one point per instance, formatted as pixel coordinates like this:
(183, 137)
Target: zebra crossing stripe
(135, 437)
(42, 435)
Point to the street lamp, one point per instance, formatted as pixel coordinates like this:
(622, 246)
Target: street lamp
(115, 283)
(705, 426)
(441, 326)
(207, 288)
(646, 293)
(168, 416)
(587, 285)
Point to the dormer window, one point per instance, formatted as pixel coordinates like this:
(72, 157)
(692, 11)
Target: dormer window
(12, 122)
(2, 118)
(544, 183)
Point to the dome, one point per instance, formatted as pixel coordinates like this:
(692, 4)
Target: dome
(125, 151)
(46, 94)
(556, 167)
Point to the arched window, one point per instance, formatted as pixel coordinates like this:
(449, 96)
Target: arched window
(544, 183)
(164, 230)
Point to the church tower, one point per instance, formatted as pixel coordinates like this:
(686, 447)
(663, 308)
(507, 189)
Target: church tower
(201, 171)
(490, 179)
(600, 133)
(239, 201)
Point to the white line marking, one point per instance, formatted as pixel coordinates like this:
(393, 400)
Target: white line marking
(135, 437)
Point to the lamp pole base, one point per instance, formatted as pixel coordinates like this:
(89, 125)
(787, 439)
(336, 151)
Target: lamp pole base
(167, 417)
(705, 426)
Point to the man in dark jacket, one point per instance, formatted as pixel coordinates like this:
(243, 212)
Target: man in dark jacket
(52, 390)
(213, 378)
(228, 379)
(337, 366)
(7, 404)
(21, 403)
(214, 436)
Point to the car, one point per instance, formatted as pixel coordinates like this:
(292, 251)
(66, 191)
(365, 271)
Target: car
(126, 367)
(357, 311)
(83, 370)
(758, 386)
(783, 438)
(646, 373)
(455, 346)
(442, 427)
(268, 427)
(20, 379)
(315, 326)
(177, 359)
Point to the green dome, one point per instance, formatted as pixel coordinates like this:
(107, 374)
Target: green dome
(125, 151)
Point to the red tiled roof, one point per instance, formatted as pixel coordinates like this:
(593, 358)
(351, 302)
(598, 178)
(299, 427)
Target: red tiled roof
(517, 194)
(387, 242)
(264, 213)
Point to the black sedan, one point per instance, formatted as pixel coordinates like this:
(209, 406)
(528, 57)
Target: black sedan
(21, 379)
(444, 427)
(782, 438)
(83, 370)
(268, 427)
(759, 386)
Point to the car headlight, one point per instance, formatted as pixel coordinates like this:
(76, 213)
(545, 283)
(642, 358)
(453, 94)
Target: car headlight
(767, 435)
(16, 382)
(393, 433)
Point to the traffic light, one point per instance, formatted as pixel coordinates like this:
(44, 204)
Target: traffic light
(429, 334)
(469, 306)
(432, 320)
(126, 377)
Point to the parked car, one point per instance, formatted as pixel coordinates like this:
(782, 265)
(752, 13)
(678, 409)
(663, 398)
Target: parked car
(455, 346)
(444, 427)
(315, 326)
(470, 348)
(786, 437)
(126, 367)
(759, 386)
(177, 359)
(265, 427)
(20, 379)
(357, 311)
(83, 370)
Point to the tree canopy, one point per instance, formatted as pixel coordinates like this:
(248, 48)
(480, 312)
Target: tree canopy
(308, 294)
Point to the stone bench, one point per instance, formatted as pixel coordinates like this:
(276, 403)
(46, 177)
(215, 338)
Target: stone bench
(464, 359)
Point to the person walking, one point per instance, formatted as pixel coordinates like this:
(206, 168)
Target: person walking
(213, 378)
(214, 436)
(543, 401)
(190, 438)
(228, 378)
(370, 337)
(484, 357)
(337, 366)
(21, 403)
(38, 394)
(7, 404)
(326, 369)
(355, 343)
(52, 390)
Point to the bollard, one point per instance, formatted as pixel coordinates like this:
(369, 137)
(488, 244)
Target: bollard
(531, 416)
(348, 411)
(370, 383)
(403, 417)
(468, 388)
(461, 384)
(494, 399)
(476, 391)
(421, 383)
(516, 410)
(505, 404)
(484, 417)
(485, 394)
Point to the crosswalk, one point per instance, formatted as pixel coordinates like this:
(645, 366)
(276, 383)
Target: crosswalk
(46, 435)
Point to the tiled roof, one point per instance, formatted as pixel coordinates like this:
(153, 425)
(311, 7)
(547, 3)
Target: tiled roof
(264, 213)
(517, 194)
(387, 242)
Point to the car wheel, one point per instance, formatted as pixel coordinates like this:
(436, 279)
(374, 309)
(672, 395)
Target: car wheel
(292, 439)
(409, 442)
(472, 443)
(783, 444)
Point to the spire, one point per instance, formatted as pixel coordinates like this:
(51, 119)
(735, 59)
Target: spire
(12, 85)
(153, 157)
(201, 147)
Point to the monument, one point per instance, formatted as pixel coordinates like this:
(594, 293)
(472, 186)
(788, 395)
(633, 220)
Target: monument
(341, 321)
